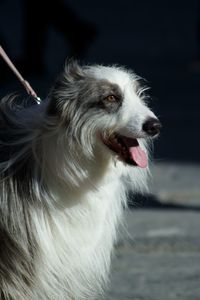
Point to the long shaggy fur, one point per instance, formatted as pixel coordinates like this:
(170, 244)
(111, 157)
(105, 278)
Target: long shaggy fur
(62, 189)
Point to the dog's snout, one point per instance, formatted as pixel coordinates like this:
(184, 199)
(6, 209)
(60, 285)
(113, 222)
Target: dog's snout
(152, 126)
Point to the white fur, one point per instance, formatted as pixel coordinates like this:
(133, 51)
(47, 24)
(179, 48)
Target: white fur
(77, 241)
(77, 227)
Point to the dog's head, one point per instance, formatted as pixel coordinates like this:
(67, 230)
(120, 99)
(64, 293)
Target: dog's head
(105, 107)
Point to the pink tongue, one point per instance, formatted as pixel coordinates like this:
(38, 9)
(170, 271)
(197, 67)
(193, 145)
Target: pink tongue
(139, 156)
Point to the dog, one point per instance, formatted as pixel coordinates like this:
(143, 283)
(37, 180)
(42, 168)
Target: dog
(66, 166)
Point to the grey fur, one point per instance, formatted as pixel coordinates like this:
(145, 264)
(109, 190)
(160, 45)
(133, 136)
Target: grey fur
(89, 92)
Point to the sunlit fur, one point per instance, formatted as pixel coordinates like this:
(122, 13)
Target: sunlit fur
(62, 190)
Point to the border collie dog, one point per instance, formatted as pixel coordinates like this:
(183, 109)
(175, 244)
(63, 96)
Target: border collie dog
(65, 167)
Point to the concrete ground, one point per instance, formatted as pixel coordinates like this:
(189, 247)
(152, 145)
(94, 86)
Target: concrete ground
(159, 258)
(176, 183)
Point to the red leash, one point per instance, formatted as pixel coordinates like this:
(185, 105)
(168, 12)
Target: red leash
(25, 83)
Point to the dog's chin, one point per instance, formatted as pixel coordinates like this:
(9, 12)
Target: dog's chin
(126, 149)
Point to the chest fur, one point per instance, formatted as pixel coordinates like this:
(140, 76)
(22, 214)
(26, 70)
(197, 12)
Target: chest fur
(76, 245)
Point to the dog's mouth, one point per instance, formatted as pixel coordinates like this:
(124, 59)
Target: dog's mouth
(127, 149)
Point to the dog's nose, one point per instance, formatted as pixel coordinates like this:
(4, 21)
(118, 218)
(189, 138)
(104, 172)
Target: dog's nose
(152, 126)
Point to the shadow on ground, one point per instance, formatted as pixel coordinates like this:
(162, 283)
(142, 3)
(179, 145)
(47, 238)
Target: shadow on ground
(150, 201)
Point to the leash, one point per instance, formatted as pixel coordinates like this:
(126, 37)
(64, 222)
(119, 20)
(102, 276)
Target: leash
(25, 83)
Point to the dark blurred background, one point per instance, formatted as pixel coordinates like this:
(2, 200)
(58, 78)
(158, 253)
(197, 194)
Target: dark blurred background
(160, 40)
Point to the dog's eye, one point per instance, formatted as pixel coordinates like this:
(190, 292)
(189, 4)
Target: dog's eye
(111, 98)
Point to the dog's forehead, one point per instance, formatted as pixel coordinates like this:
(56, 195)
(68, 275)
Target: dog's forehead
(117, 76)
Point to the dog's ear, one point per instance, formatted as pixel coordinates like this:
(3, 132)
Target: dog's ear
(65, 87)
(73, 71)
